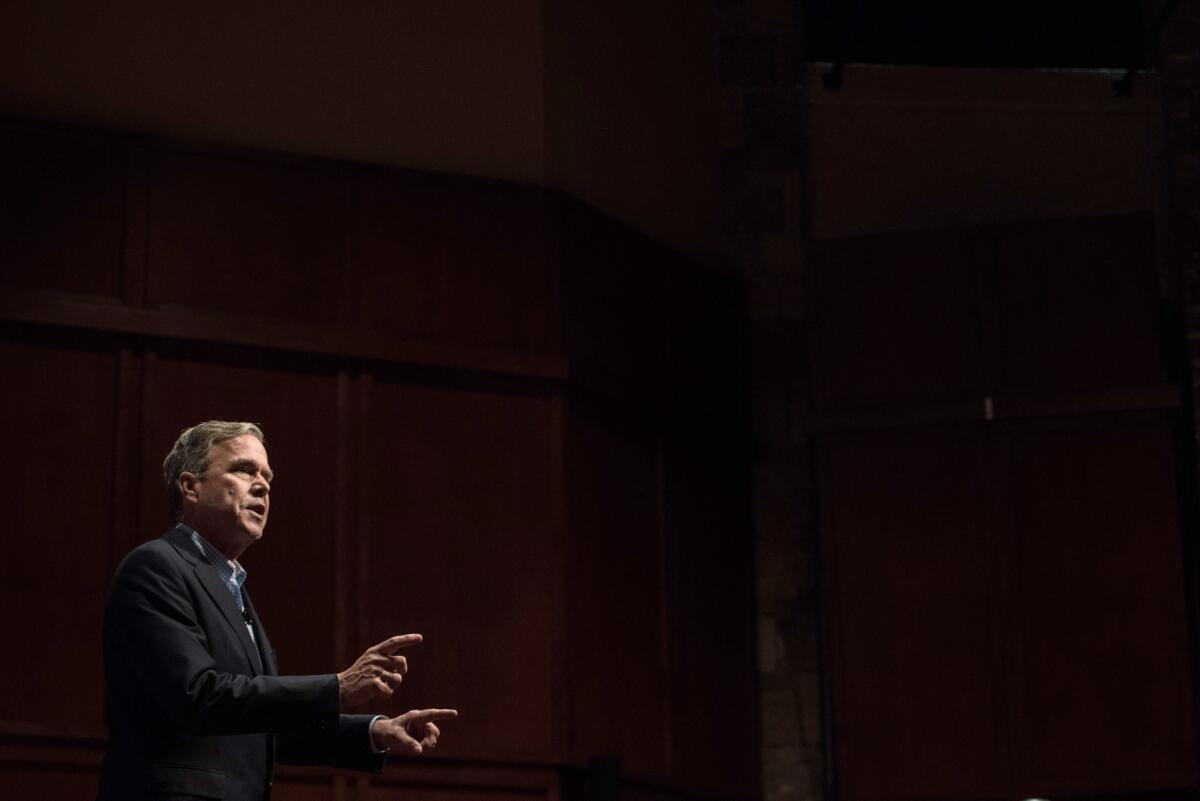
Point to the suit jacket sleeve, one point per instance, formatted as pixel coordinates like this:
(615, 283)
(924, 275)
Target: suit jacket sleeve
(155, 637)
(348, 747)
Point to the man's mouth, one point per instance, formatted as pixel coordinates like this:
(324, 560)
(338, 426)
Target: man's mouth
(258, 509)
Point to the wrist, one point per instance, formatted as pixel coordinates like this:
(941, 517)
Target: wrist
(375, 747)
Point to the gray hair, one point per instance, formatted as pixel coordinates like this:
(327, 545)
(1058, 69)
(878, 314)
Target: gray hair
(190, 453)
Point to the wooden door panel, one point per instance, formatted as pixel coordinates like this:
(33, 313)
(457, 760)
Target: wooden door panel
(710, 601)
(897, 320)
(311, 788)
(458, 546)
(615, 602)
(1107, 700)
(918, 707)
(250, 238)
(379, 791)
(466, 263)
(56, 485)
(1078, 306)
(50, 782)
(62, 211)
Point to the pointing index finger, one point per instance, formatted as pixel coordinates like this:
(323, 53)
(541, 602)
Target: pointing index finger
(422, 715)
(393, 644)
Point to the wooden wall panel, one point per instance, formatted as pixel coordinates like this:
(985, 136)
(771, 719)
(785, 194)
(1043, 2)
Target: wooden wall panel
(62, 211)
(607, 268)
(663, 360)
(1078, 306)
(459, 547)
(897, 320)
(451, 780)
(398, 792)
(1025, 576)
(632, 790)
(710, 585)
(241, 237)
(461, 262)
(292, 571)
(306, 789)
(704, 356)
(415, 423)
(620, 693)
(50, 782)
(1107, 695)
(917, 704)
(56, 484)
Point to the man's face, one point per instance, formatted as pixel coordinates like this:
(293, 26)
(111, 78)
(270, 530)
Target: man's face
(232, 498)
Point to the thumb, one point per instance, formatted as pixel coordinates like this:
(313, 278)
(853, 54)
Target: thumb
(404, 737)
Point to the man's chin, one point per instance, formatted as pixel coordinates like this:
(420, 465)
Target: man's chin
(254, 532)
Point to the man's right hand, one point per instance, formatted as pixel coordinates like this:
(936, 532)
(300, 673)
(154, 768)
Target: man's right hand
(377, 673)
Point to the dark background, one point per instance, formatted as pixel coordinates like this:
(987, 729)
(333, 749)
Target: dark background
(729, 429)
(1018, 33)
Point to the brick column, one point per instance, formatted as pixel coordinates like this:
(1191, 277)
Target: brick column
(762, 186)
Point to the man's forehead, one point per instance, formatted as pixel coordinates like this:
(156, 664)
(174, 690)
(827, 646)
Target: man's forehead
(243, 446)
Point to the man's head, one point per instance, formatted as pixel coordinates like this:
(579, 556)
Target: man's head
(218, 481)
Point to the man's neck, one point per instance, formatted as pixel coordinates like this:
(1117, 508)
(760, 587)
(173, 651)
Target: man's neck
(229, 550)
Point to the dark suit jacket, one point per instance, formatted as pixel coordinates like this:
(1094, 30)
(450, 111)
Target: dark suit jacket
(192, 710)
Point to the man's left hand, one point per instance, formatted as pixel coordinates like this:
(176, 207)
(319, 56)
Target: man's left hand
(413, 731)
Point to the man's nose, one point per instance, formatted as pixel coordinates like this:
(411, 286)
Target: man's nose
(260, 488)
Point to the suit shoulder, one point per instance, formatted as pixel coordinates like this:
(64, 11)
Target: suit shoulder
(154, 569)
(157, 555)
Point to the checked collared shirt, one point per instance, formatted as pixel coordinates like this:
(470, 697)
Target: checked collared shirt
(232, 573)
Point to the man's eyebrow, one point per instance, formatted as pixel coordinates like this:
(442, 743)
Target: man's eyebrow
(243, 464)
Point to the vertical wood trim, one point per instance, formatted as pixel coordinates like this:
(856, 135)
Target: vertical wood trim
(558, 554)
(1158, 160)
(552, 791)
(127, 447)
(342, 553)
(363, 207)
(351, 287)
(553, 244)
(1183, 434)
(363, 499)
(834, 753)
(752, 689)
(151, 289)
(664, 599)
(1181, 372)
(149, 365)
(997, 527)
(814, 274)
(1005, 523)
(986, 264)
(133, 260)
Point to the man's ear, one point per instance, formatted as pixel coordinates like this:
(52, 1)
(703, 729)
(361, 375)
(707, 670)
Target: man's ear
(188, 484)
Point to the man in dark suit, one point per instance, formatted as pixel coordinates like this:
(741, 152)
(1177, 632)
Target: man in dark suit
(195, 707)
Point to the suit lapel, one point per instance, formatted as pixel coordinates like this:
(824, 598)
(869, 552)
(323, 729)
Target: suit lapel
(223, 598)
(211, 581)
(264, 645)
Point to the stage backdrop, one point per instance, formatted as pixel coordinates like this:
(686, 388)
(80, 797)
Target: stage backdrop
(497, 418)
(1004, 459)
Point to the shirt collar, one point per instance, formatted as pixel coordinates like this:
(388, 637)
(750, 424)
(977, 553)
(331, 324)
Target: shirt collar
(231, 570)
